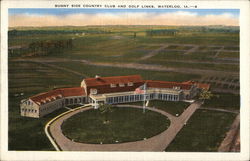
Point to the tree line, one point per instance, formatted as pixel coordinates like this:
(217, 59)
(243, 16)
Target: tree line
(163, 32)
(40, 48)
(49, 47)
(50, 32)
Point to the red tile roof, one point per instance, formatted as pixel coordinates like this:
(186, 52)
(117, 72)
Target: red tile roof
(58, 93)
(165, 84)
(103, 84)
(112, 80)
(203, 86)
(76, 91)
(42, 96)
(199, 85)
(101, 89)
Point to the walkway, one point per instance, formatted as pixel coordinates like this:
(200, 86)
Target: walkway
(154, 52)
(220, 109)
(156, 143)
(232, 139)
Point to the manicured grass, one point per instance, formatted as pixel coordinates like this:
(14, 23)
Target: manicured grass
(203, 133)
(199, 38)
(229, 55)
(117, 46)
(91, 71)
(211, 66)
(27, 79)
(169, 106)
(125, 125)
(28, 133)
(224, 100)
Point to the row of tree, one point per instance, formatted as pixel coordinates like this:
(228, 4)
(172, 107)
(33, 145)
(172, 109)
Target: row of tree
(51, 32)
(40, 48)
(50, 47)
(163, 32)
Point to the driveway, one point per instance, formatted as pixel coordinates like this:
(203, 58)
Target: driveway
(156, 143)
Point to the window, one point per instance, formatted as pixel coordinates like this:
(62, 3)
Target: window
(93, 91)
(130, 84)
(112, 85)
(132, 98)
(120, 99)
(152, 96)
(66, 101)
(121, 84)
(111, 99)
(137, 97)
(126, 98)
(164, 96)
(141, 97)
(160, 96)
(115, 99)
(176, 87)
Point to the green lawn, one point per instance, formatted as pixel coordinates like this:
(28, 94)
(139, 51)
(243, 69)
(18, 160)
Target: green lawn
(117, 45)
(203, 133)
(91, 71)
(224, 100)
(169, 106)
(30, 79)
(28, 133)
(229, 55)
(211, 66)
(125, 125)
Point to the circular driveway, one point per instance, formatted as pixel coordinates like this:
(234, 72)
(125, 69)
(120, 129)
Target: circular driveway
(155, 143)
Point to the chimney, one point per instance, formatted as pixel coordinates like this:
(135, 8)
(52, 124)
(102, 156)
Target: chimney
(97, 76)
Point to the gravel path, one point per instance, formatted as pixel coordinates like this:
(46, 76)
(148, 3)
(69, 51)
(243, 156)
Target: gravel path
(156, 143)
(232, 139)
(154, 52)
(219, 109)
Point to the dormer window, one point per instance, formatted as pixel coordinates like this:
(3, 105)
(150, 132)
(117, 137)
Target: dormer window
(130, 84)
(112, 85)
(93, 91)
(121, 84)
(176, 87)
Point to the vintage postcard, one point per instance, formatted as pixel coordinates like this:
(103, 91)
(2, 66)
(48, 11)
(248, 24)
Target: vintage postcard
(115, 80)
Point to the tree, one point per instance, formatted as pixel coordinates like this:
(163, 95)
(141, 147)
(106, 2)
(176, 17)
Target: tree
(106, 109)
(205, 95)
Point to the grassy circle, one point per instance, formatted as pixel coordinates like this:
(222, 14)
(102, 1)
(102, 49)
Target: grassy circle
(120, 125)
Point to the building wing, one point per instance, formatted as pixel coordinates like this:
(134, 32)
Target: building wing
(114, 84)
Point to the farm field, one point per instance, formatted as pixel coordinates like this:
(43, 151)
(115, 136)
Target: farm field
(31, 71)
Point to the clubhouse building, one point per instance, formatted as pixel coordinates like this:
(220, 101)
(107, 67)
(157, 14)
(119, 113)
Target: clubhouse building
(109, 90)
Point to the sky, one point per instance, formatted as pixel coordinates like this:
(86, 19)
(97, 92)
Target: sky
(84, 17)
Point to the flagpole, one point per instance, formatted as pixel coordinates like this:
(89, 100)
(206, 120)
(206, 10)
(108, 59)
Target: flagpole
(144, 101)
